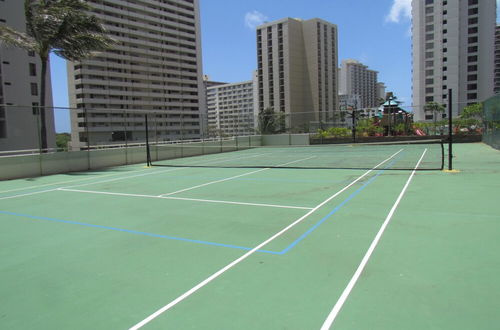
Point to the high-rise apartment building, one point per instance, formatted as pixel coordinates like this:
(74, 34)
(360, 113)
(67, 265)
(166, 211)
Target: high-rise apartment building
(497, 60)
(231, 109)
(155, 65)
(297, 70)
(20, 90)
(356, 79)
(380, 92)
(453, 48)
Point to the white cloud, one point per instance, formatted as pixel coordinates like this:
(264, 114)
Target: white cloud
(400, 9)
(254, 19)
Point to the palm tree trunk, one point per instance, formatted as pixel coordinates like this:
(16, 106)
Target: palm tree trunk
(43, 87)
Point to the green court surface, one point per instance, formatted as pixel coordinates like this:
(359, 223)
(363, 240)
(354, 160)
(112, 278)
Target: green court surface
(254, 248)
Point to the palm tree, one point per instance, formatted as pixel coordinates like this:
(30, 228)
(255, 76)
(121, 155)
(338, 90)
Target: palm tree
(435, 108)
(59, 26)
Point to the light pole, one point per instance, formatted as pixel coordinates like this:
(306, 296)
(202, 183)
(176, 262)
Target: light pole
(389, 115)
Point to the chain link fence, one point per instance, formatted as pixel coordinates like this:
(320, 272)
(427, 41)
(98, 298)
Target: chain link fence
(491, 109)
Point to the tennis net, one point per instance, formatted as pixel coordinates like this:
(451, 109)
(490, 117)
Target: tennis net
(243, 153)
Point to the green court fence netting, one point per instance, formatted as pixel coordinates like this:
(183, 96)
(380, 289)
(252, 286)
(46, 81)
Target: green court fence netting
(491, 134)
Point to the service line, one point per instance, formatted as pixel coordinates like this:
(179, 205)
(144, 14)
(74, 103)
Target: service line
(249, 253)
(184, 199)
(232, 177)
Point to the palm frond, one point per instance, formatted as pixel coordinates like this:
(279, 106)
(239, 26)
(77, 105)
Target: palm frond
(14, 38)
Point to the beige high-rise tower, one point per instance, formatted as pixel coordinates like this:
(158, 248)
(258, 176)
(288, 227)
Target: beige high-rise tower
(297, 70)
(154, 66)
(357, 79)
(453, 48)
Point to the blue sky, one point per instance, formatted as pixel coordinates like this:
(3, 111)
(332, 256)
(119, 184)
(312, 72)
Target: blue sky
(375, 32)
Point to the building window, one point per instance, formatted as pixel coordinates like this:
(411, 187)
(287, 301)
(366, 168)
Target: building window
(429, 90)
(429, 72)
(472, 39)
(429, 55)
(35, 108)
(473, 20)
(471, 87)
(471, 68)
(473, 11)
(429, 37)
(429, 64)
(472, 77)
(429, 99)
(471, 96)
(429, 2)
(472, 49)
(429, 81)
(34, 89)
(445, 68)
(32, 69)
(473, 30)
(473, 2)
(429, 45)
(472, 58)
(429, 10)
(429, 28)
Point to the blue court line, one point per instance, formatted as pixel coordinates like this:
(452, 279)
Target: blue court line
(326, 217)
(332, 212)
(288, 248)
(125, 230)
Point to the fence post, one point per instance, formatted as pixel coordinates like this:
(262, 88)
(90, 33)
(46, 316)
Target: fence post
(450, 131)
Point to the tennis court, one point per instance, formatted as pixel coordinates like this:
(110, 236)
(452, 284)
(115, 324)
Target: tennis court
(207, 243)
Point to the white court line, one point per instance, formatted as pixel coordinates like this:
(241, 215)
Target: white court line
(249, 253)
(61, 182)
(231, 178)
(184, 199)
(28, 194)
(345, 294)
(105, 175)
(156, 172)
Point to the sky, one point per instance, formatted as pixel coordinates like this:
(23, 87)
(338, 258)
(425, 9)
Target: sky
(375, 32)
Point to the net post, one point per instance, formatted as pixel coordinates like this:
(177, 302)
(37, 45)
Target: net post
(202, 144)
(353, 126)
(450, 131)
(148, 152)
(86, 114)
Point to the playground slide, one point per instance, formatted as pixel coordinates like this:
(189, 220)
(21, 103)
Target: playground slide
(419, 132)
